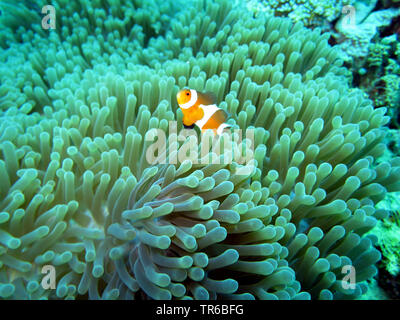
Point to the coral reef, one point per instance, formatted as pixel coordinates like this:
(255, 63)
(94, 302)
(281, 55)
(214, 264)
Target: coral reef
(352, 23)
(388, 234)
(312, 13)
(382, 81)
(354, 34)
(77, 105)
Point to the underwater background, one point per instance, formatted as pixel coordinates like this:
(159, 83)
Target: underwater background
(83, 215)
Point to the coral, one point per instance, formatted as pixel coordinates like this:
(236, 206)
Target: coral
(311, 13)
(390, 284)
(375, 292)
(354, 34)
(393, 142)
(382, 81)
(78, 105)
(388, 234)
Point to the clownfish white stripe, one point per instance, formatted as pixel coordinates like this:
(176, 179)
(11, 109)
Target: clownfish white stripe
(222, 127)
(208, 113)
(192, 101)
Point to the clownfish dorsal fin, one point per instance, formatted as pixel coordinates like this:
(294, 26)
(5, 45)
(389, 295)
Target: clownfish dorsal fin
(207, 98)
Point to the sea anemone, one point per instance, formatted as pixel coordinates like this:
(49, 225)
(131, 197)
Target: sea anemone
(78, 104)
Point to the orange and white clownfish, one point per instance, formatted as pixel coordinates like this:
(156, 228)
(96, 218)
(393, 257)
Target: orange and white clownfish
(200, 109)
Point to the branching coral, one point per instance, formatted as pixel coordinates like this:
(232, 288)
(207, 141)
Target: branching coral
(79, 194)
(382, 82)
(388, 235)
(357, 28)
(311, 13)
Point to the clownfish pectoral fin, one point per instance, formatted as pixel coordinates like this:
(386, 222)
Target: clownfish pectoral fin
(207, 98)
(198, 114)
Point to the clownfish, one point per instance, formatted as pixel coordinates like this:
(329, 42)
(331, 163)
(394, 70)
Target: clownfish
(200, 109)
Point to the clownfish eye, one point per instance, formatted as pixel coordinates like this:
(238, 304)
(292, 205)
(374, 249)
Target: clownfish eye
(187, 93)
